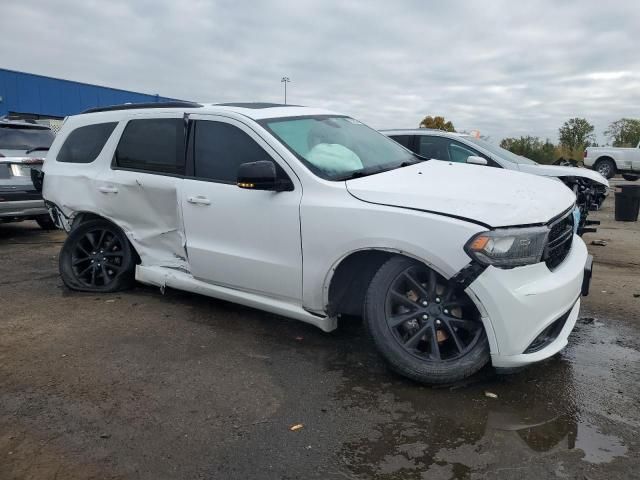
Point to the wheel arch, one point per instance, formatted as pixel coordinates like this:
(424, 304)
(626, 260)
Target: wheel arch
(81, 217)
(347, 281)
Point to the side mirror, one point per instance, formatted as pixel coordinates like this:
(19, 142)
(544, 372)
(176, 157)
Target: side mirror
(475, 160)
(261, 175)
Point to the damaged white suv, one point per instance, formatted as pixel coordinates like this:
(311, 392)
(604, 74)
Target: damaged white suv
(312, 215)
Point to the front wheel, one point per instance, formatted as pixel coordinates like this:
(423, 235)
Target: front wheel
(97, 257)
(425, 327)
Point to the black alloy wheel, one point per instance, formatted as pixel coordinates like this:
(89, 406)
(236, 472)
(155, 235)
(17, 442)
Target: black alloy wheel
(97, 257)
(424, 325)
(429, 319)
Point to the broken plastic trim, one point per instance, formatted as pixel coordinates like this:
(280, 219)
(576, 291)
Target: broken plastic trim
(468, 274)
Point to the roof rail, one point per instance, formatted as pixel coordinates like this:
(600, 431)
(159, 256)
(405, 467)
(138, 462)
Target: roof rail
(132, 106)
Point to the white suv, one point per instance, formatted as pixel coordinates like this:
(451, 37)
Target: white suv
(312, 215)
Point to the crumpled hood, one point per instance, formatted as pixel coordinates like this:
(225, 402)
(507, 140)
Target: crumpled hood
(491, 196)
(564, 171)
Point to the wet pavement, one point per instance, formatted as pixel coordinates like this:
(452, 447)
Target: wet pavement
(151, 386)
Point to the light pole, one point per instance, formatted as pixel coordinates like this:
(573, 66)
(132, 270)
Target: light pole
(285, 80)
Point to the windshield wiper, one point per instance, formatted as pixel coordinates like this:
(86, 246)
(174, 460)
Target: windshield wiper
(38, 149)
(373, 170)
(361, 173)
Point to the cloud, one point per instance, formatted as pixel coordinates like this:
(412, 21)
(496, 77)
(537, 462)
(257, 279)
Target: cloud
(504, 68)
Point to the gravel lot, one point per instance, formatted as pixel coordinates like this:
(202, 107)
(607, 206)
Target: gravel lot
(151, 386)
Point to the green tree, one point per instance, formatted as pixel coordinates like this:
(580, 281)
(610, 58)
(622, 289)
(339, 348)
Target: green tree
(575, 135)
(624, 132)
(531, 147)
(437, 123)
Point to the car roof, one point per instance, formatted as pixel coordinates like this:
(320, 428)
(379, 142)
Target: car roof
(253, 110)
(422, 131)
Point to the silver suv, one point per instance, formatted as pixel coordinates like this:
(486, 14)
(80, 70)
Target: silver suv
(23, 146)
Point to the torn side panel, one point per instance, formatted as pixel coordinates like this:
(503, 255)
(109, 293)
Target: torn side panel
(145, 206)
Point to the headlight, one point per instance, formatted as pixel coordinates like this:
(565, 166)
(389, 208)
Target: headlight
(508, 247)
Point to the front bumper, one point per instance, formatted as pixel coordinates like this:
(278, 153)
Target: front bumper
(517, 305)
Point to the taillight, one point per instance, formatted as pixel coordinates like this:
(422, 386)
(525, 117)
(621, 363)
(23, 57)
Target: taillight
(585, 154)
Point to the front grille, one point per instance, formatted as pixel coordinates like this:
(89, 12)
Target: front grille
(559, 241)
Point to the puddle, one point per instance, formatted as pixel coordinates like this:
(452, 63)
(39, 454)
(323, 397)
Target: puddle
(598, 447)
(562, 411)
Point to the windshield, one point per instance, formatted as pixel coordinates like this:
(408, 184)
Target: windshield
(21, 138)
(500, 152)
(339, 148)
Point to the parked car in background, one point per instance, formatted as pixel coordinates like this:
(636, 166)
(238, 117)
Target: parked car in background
(608, 161)
(23, 146)
(312, 215)
(589, 187)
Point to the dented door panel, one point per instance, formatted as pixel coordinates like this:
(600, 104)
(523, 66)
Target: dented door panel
(147, 208)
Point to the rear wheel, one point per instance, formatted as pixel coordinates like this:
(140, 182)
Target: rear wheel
(630, 177)
(45, 222)
(424, 326)
(97, 257)
(606, 167)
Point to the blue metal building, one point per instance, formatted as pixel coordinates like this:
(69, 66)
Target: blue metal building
(35, 96)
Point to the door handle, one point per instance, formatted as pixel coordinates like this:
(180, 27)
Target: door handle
(108, 189)
(198, 200)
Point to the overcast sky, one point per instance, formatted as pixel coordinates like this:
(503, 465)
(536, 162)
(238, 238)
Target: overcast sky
(505, 68)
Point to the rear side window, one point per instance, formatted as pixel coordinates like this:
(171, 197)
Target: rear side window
(404, 140)
(84, 144)
(433, 147)
(220, 148)
(154, 145)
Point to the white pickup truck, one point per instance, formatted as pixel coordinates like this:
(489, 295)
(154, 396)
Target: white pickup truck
(611, 160)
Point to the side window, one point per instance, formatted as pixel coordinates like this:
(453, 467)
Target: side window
(459, 153)
(220, 148)
(154, 145)
(404, 140)
(433, 147)
(84, 144)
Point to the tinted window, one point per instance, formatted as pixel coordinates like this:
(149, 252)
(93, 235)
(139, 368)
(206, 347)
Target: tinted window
(84, 144)
(220, 148)
(433, 147)
(404, 140)
(459, 153)
(156, 145)
(24, 138)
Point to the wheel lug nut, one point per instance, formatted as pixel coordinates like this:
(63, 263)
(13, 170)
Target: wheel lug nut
(438, 322)
(437, 300)
(446, 311)
(425, 303)
(425, 317)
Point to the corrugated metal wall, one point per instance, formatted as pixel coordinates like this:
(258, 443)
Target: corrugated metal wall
(38, 95)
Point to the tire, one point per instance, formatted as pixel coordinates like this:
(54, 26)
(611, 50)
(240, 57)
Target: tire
(45, 222)
(453, 346)
(605, 167)
(97, 257)
(630, 177)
